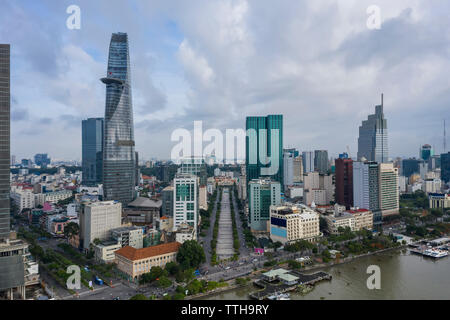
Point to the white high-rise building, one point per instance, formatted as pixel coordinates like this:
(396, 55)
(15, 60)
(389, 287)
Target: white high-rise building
(298, 169)
(185, 201)
(388, 189)
(97, 219)
(288, 159)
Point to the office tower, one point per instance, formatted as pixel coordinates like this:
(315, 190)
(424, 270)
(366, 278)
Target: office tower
(97, 219)
(426, 151)
(321, 161)
(15, 262)
(5, 100)
(118, 148)
(434, 162)
(137, 170)
(263, 193)
(288, 166)
(42, 160)
(92, 149)
(410, 167)
(167, 201)
(445, 167)
(25, 163)
(366, 188)
(293, 151)
(344, 182)
(308, 161)
(373, 137)
(375, 187)
(298, 169)
(344, 155)
(13, 160)
(196, 166)
(185, 201)
(388, 189)
(264, 148)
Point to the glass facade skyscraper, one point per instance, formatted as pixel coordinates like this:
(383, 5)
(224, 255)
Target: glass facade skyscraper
(445, 167)
(264, 141)
(5, 100)
(119, 173)
(321, 161)
(373, 137)
(92, 151)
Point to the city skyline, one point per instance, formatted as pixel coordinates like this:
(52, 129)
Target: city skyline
(183, 75)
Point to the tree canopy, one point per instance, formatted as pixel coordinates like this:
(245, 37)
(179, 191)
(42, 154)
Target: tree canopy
(190, 255)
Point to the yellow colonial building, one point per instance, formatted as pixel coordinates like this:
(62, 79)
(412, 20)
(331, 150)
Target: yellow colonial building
(135, 262)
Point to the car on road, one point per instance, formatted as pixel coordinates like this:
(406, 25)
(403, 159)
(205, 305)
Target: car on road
(227, 268)
(116, 298)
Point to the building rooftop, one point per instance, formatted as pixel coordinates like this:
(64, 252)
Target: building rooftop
(275, 273)
(142, 202)
(357, 211)
(287, 277)
(133, 254)
(125, 229)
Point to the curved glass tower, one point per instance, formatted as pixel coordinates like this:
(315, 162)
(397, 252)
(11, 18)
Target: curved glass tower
(118, 146)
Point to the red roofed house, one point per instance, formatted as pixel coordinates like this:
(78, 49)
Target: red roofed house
(135, 262)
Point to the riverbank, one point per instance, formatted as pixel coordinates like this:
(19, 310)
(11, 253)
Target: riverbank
(254, 275)
(403, 276)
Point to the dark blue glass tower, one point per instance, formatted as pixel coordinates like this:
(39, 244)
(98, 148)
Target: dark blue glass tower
(92, 149)
(119, 161)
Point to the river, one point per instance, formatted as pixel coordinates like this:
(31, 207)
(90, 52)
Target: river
(403, 276)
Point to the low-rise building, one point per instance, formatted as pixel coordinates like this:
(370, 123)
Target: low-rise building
(135, 262)
(142, 211)
(291, 223)
(355, 219)
(165, 224)
(128, 236)
(54, 197)
(105, 251)
(184, 233)
(439, 200)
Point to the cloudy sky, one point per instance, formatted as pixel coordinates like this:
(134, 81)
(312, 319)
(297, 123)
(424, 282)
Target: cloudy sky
(316, 62)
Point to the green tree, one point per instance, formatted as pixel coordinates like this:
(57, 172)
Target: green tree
(190, 255)
(172, 268)
(71, 229)
(164, 282)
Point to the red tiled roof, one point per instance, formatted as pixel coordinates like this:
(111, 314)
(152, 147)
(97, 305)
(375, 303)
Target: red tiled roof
(357, 211)
(133, 254)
